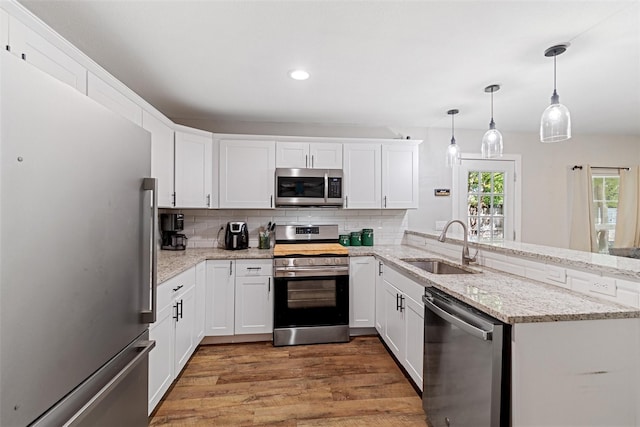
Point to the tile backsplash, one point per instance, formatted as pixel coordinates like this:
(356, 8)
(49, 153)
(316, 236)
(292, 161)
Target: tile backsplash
(201, 225)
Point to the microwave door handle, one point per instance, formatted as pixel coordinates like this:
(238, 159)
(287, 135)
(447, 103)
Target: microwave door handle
(326, 187)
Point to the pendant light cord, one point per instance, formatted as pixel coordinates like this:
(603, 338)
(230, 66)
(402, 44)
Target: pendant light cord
(554, 73)
(453, 139)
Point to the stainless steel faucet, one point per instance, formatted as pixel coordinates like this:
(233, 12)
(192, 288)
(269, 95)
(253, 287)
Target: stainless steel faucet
(466, 259)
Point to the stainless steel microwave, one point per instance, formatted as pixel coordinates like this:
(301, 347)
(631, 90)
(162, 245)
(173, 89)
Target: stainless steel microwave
(309, 187)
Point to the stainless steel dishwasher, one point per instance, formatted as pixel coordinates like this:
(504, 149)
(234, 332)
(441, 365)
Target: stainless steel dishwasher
(466, 364)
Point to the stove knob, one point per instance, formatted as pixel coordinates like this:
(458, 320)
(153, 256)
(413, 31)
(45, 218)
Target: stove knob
(311, 261)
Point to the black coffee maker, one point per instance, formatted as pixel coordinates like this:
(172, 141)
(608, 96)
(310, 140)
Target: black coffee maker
(170, 225)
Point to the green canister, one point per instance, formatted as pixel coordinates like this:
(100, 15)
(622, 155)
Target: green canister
(344, 239)
(356, 238)
(367, 237)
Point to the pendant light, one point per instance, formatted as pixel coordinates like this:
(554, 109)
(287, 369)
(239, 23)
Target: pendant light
(453, 152)
(492, 139)
(555, 125)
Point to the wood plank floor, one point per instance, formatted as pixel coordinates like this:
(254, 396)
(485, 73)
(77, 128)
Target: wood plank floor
(256, 384)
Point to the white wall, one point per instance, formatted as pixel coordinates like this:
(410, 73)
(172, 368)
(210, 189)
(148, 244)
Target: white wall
(545, 173)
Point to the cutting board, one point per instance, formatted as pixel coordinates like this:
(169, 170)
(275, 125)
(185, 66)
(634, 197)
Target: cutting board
(309, 249)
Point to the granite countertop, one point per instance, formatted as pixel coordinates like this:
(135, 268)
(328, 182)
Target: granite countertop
(511, 299)
(595, 262)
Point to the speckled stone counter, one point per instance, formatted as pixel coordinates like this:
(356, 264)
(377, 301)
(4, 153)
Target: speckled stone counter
(598, 263)
(510, 298)
(171, 263)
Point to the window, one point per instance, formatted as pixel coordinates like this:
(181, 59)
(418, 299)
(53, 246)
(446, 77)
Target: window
(485, 206)
(605, 208)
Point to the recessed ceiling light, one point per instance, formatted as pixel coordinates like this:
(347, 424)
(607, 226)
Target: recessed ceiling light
(299, 75)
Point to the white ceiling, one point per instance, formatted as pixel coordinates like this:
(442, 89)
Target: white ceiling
(372, 63)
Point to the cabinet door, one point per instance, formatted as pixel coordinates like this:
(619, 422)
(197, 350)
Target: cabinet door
(399, 176)
(362, 164)
(193, 170)
(247, 171)
(362, 291)
(4, 30)
(201, 299)
(219, 316)
(185, 315)
(161, 357)
(254, 305)
(114, 100)
(161, 157)
(380, 298)
(292, 155)
(39, 52)
(414, 339)
(325, 155)
(394, 320)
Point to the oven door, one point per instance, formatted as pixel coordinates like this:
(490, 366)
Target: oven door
(311, 301)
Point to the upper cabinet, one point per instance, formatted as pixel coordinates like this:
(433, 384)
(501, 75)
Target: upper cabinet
(113, 99)
(362, 176)
(42, 54)
(162, 156)
(193, 168)
(381, 176)
(399, 176)
(247, 169)
(309, 155)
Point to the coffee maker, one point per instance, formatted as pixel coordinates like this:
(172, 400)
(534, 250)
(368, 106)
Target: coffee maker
(170, 225)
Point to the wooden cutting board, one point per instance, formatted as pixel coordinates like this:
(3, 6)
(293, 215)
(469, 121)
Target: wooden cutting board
(286, 249)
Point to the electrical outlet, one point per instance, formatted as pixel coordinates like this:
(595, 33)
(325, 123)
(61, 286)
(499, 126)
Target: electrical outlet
(603, 285)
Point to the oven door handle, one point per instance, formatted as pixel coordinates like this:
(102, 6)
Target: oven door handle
(327, 271)
(431, 303)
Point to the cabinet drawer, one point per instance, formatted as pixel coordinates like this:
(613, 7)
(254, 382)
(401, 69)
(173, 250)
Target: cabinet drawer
(252, 267)
(175, 287)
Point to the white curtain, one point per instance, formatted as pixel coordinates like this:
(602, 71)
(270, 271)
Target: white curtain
(628, 218)
(582, 235)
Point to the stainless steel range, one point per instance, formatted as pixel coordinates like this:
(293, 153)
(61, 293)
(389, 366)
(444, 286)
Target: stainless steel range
(311, 286)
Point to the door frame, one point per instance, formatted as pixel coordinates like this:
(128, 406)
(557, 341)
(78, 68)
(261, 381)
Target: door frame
(517, 201)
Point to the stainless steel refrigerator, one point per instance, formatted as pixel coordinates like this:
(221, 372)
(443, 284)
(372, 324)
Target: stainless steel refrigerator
(77, 226)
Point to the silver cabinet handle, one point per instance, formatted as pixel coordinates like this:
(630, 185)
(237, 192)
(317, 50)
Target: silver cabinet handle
(149, 316)
(144, 348)
(208, 200)
(430, 303)
(306, 160)
(312, 160)
(254, 268)
(230, 268)
(385, 201)
(271, 201)
(346, 201)
(380, 268)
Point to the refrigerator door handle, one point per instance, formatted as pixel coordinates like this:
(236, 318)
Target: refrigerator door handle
(149, 316)
(144, 347)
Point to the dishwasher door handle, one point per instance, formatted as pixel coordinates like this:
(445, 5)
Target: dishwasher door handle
(454, 320)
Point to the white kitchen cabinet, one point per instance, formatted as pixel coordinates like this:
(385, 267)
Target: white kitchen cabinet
(4, 30)
(362, 291)
(399, 176)
(110, 97)
(173, 333)
(162, 157)
(161, 357)
(220, 294)
(201, 301)
(42, 54)
(193, 168)
(309, 155)
(254, 297)
(362, 176)
(239, 297)
(403, 321)
(247, 169)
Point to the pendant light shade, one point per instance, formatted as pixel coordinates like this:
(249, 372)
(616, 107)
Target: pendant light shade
(492, 139)
(555, 124)
(453, 151)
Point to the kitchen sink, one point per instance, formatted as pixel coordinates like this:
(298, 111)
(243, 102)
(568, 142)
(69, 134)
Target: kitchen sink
(437, 267)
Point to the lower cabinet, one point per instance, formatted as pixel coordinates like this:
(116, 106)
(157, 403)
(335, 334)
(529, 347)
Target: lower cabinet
(400, 315)
(239, 297)
(174, 332)
(362, 291)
